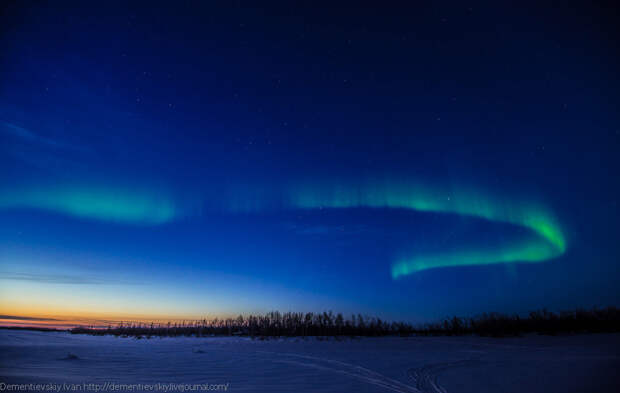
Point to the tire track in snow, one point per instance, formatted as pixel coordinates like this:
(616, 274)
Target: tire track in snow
(348, 369)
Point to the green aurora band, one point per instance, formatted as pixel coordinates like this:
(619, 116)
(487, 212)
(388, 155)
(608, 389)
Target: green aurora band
(548, 243)
(99, 203)
(130, 206)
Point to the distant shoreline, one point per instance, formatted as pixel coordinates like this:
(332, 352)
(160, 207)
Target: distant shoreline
(34, 328)
(328, 324)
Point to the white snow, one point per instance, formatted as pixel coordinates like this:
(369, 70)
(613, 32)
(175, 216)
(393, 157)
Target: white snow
(582, 363)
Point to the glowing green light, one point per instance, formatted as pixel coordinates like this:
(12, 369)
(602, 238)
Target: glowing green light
(548, 244)
(131, 206)
(104, 204)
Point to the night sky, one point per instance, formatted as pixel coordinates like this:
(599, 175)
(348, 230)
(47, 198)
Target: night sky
(404, 160)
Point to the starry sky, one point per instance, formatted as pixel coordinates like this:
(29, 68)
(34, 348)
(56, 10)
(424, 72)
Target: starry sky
(409, 161)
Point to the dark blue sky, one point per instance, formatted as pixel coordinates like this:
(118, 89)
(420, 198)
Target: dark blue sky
(216, 158)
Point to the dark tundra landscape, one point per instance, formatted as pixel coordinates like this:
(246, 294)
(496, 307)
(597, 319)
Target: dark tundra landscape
(324, 352)
(309, 196)
(582, 363)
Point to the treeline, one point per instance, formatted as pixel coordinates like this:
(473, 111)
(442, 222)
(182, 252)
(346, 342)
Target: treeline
(292, 324)
(597, 320)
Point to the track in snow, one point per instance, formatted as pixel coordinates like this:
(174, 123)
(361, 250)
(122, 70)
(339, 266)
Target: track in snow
(348, 369)
(425, 378)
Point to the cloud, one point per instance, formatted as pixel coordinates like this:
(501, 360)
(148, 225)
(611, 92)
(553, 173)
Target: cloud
(17, 318)
(59, 279)
(32, 137)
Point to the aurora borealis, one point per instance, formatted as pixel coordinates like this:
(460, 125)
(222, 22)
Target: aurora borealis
(119, 206)
(191, 160)
(550, 242)
(103, 203)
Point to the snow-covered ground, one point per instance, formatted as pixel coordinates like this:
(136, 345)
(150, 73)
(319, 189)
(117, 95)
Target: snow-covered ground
(582, 363)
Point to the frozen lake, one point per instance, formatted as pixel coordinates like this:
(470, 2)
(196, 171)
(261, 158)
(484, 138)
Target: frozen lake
(582, 363)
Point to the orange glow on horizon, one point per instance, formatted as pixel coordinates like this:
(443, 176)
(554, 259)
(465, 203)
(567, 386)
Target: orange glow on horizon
(69, 318)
